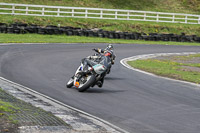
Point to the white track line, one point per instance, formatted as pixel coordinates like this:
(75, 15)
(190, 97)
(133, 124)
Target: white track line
(147, 56)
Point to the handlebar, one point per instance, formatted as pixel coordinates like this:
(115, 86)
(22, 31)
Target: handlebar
(96, 50)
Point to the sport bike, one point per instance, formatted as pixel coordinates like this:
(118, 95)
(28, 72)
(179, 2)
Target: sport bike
(91, 71)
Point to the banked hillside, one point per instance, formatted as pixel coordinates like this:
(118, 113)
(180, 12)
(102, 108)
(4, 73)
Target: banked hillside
(175, 6)
(183, 6)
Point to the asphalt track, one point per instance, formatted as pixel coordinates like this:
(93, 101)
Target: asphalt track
(133, 101)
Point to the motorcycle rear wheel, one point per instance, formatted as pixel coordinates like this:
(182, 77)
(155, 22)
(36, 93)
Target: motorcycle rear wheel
(84, 86)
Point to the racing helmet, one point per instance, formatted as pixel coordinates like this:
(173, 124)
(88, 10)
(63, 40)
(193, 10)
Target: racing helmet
(109, 47)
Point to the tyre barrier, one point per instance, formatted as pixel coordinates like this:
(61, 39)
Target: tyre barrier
(19, 28)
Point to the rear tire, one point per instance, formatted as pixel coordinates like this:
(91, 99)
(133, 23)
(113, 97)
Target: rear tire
(88, 83)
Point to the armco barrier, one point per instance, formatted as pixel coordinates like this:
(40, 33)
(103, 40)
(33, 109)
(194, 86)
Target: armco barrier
(69, 31)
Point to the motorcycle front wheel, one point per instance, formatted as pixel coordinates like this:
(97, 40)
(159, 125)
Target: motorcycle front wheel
(86, 83)
(70, 83)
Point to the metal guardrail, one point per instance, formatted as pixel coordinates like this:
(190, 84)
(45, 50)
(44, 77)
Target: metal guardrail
(97, 13)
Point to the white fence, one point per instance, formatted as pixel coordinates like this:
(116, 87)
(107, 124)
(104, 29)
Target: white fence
(97, 13)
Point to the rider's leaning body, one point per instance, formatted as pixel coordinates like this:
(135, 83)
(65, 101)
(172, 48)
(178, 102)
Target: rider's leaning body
(107, 60)
(108, 51)
(109, 54)
(100, 63)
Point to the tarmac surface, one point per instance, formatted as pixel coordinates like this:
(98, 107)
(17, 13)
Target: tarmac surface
(131, 100)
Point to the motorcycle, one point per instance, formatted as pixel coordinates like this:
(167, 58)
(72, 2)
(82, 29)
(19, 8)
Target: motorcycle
(91, 70)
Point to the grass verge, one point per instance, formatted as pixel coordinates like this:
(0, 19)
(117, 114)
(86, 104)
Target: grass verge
(7, 123)
(16, 113)
(110, 25)
(178, 67)
(36, 38)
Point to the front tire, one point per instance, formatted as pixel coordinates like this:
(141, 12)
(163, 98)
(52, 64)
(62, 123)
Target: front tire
(70, 83)
(90, 81)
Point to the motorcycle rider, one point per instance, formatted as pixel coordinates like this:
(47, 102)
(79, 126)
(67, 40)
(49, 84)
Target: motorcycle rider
(95, 67)
(108, 59)
(108, 52)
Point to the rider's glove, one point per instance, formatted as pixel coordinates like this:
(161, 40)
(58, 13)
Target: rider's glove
(99, 50)
(96, 50)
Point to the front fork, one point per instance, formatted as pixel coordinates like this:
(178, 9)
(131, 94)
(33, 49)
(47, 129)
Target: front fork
(80, 73)
(77, 76)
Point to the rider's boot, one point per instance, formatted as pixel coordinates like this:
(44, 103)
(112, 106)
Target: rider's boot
(100, 82)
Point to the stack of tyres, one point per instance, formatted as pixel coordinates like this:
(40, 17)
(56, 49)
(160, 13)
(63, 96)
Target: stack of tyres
(106, 34)
(121, 35)
(197, 39)
(50, 30)
(154, 37)
(90, 33)
(111, 35)
(116, 35)
(95, 33)
(41, 30)
(32, 29)
(137, 35)
(100, 33)
(127, 35)
(69, 32)
(81, 33)
(3, 28)
(75, 33)
(10, 29)
(19, 28)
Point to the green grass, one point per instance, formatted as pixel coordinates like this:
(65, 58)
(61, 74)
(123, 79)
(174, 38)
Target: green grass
(110, 25)
(172, 68)
(36, 38)
(7, 108)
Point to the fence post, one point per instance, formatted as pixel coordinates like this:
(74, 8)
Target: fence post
(43, 11)
(27, 10)
(86, 13)
(72, 12)
(186, 17)
(157, 17)
(145, 14)
(128, 15)
(58, 14)
(101, 14)
(173, 18)
(115, 14)
(13, 9)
